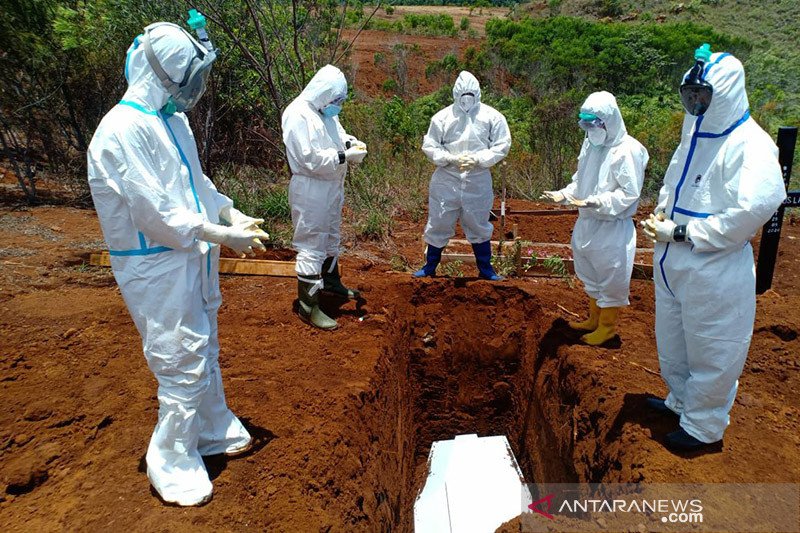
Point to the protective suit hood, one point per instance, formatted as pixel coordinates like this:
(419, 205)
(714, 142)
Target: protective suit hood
(725, 73)
(466, 83)
(174, 49)
(604, 105)
(327, 85)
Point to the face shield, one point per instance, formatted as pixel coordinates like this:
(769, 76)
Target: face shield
(466, 102)
(594, 127)
(695, 91)
(184, 93)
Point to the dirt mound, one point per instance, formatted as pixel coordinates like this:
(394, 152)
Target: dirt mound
(344, 420)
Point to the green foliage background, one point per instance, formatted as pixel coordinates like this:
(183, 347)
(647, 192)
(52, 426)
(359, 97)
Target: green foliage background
(62, 63)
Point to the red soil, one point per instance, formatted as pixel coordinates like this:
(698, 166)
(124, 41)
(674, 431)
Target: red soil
(344, 419)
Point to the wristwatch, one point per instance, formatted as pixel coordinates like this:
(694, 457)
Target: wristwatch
(342, 158)
(679, 233)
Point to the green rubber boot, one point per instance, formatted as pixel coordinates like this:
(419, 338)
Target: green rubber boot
(333, 281)
(308, 305)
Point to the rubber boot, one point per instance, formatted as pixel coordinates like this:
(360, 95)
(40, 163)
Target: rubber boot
(432, 257)
(332, 281)
(590, 324)
(606, 329)
(483, 258)
(308, 305)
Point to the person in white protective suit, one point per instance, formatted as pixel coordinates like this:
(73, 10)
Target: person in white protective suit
(319, 150)
(606, 189)
(723, 183)
(162, 220)
(464, 141)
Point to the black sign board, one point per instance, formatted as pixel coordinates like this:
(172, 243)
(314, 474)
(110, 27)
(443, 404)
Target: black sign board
(771, 234)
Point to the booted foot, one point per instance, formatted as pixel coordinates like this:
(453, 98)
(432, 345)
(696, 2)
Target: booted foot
(308, 303)
(606, 329)
(483, 259)
(422, 273)
(432, 257)
(681, 441)
(239, 449)
(315, 317)
(590, 324)
(660, 406)
(332, 281)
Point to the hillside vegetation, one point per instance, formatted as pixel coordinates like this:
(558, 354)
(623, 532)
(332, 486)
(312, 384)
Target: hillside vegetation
(537, 63)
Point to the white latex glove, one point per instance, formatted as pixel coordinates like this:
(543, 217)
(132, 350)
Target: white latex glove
(356, 154)
(234, 217)
(553, 196)
(466, 162)
(658, 228)
(588, 202)
(453, 159)
(356, 143)
(240, 240)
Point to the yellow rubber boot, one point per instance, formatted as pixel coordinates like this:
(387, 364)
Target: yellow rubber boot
(590, 324)
(606, 329)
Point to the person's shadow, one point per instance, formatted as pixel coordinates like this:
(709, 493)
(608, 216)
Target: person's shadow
(334, 306)
(636, 411)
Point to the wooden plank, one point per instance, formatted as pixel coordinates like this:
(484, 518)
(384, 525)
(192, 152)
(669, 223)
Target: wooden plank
(257, 267)
(227, 265)
(542, 212)
(102, 259)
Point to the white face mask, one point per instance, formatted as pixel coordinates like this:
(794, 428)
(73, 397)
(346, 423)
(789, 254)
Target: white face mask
(466, 102)
(597, 136)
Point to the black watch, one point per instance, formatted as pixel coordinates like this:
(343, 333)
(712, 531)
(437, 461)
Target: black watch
(679, 233)
(342, 158)
(348, 145)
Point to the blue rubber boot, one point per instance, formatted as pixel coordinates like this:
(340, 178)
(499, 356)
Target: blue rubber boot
(432, 257)
(483, 258)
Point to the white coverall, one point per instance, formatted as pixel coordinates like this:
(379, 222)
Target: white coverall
(604, 237)
(316, 191)
(152, 199)
(482, 132)
(724, 182)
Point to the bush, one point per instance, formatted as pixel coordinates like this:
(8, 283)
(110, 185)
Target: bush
(464, 25)
(558, 54)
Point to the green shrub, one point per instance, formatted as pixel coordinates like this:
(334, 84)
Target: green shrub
(554, 55)
(464, 25)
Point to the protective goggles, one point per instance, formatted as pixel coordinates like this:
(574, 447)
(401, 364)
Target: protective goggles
(588, 121)
(696, 93)
(188, 91)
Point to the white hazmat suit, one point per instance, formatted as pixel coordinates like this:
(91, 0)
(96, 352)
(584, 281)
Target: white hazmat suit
(609, 176)
(724, 182)
(152, 200)
(480, 131)
(314, 143)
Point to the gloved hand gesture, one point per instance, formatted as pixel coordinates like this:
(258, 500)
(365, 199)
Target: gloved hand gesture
(239, 239)
(355, 143)
(466, 162)
(659, 228)
(234, 217)
(553, 196)
(356, 154)
(587, 202)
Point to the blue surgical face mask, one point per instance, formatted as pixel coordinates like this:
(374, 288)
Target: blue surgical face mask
(331, 110)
